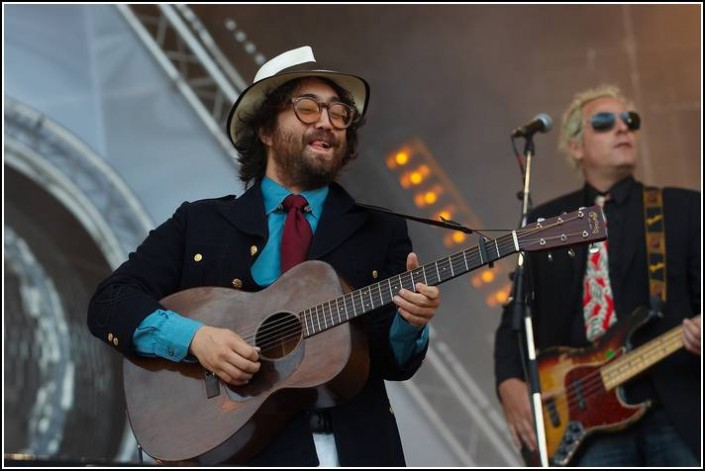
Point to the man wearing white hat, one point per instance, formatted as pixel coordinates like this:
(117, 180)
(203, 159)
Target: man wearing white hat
(295, 127)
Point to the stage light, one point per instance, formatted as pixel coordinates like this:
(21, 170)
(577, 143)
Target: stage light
(444, 214)
(476, 281)
(398, 159)
(487, 276)
(459, 237)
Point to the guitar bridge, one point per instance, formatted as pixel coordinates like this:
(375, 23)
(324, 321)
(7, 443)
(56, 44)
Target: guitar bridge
(212, 386)
(572, 437)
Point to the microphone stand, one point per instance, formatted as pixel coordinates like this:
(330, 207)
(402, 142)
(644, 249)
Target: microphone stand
(521, 309)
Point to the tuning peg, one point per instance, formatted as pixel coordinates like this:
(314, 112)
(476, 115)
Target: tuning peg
(571, 252)
(594, 248)
(550, 256)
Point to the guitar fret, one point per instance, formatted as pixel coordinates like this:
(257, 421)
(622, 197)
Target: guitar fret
(349, 299)
(368, 305)
(465, 259)
(442, 269)
(318, 318)
(458, 259)
(339, 309)
(381, 298)
(362, 306)
(452, 265)
(323, 308)
(405, 281)
(308, 331)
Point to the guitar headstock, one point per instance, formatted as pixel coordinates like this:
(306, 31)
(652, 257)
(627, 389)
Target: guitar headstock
(577, 227)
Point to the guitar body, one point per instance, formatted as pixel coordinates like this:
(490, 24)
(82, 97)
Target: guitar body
(169, 407)
(576, 402)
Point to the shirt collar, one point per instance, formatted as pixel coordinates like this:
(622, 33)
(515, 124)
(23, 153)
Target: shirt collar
(273, 194)
(618, 193)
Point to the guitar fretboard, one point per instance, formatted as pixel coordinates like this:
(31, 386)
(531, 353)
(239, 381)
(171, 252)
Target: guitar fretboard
(359, 302)
(641, 358)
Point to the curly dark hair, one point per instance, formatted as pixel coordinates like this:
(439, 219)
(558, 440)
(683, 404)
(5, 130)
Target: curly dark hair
(252, 153)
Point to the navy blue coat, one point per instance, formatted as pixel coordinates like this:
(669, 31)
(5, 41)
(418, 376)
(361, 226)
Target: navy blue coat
(230, 233)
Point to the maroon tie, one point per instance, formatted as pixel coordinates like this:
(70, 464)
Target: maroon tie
(297, 234)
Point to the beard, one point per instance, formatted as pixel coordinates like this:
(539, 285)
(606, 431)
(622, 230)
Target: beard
(301, 166)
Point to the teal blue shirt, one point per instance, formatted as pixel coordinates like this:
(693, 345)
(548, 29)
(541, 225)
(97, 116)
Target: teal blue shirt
(168, 335)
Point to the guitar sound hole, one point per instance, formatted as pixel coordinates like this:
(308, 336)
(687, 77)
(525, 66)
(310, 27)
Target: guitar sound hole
(279, 335)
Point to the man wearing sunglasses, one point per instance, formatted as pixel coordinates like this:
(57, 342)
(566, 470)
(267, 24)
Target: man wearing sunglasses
(580, 294)
(295, 127)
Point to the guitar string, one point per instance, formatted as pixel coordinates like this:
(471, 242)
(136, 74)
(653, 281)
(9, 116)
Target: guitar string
(404, 280)
(273, 334)
(290, 327)
(456, 260)
(594, 383)
(595, 386)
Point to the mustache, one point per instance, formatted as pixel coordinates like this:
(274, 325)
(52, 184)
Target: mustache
(322, 135)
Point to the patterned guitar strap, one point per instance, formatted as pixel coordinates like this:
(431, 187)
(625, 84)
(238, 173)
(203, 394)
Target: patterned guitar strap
(655, 230)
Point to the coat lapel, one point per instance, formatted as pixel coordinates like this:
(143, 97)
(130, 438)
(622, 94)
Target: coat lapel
(247, 213)
(339, 220)
(632, 225)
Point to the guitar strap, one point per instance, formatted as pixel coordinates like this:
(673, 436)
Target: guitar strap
(444, 223)
(655, 241)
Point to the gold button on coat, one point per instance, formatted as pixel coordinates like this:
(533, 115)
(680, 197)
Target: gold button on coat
(253, 250)
(237, 283)
(375, 274)
(198, 257)
(110, 337)
(115, 341)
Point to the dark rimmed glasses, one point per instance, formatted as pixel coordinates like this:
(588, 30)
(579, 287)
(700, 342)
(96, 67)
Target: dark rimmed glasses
(309, 111)
(605, 121)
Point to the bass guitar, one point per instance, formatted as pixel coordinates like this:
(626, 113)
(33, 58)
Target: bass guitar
(582, 388)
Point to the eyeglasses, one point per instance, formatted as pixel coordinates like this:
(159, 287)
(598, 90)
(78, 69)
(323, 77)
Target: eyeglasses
(308, 111)
(603, 122)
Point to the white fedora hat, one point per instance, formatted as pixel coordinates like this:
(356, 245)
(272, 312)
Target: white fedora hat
(290, 65)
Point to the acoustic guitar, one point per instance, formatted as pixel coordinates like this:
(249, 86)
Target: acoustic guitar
(311, 355)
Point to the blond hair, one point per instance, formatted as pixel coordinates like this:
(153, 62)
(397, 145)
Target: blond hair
(572, 125)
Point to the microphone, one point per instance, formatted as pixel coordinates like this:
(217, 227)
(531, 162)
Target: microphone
(541, 123)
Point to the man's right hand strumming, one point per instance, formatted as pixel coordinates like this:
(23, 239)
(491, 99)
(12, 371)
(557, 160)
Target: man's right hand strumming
(226, 354)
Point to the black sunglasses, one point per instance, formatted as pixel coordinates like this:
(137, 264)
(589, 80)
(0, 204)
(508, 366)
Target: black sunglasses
(602, 122)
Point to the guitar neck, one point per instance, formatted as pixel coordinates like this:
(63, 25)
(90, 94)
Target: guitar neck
(577, 227)
(361, 301)
(641, 358)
